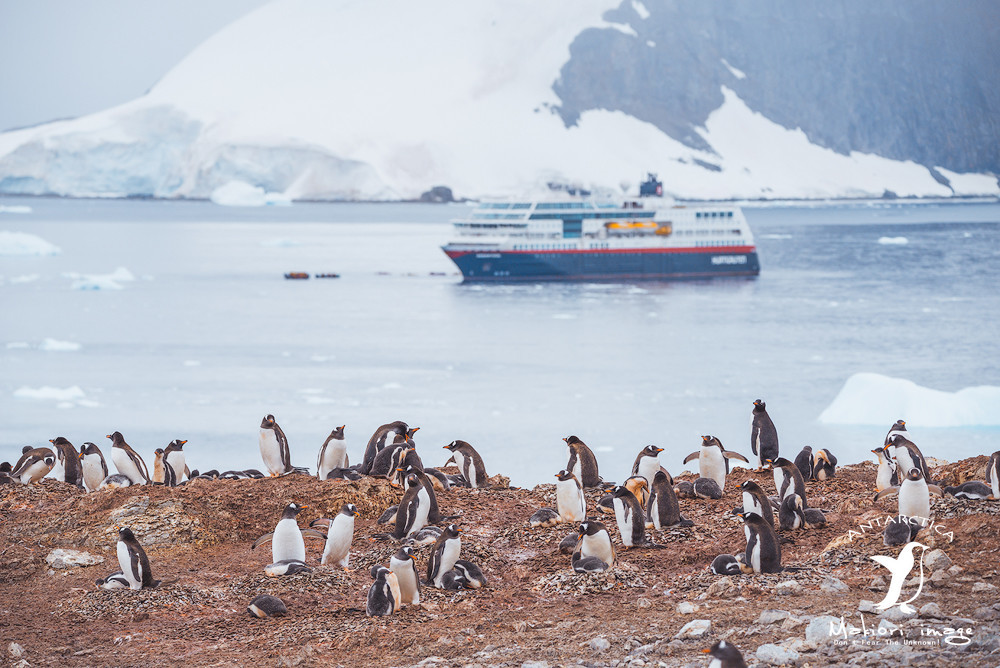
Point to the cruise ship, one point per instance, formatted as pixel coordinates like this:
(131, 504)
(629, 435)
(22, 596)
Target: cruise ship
(584, 238)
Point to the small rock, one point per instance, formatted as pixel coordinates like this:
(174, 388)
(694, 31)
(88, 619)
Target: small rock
(772, 616)
(687, 608)
(940, 578)
(535, 664)
(832, 585)
(15, 650)
(825, 627)
(955, 570)
(696, 628)
(791, 623)
(722, 588)
(932, 610)
(776, 655)
(897, 614)
(787, 587)
(642, 603)
(866, 606)
(878, 582)
(598, 644)
(937, 560)
(982, 587)
(984, 613)
(61, 558)
(886, 628)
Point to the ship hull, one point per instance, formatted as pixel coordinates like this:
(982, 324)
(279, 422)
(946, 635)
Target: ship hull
(596, 265)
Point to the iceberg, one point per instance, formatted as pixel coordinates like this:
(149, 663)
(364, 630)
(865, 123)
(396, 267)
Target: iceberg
(871, 398)
(22, 243)
(893, 241)
(53, 345)
(47, 393)
(112, 281)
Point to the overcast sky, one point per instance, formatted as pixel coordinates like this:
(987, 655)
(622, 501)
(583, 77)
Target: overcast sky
(66, 58)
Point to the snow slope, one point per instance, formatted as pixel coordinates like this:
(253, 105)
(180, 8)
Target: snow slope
(380, 100)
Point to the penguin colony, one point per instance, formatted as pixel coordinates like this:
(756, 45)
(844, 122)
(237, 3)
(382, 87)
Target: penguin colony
(648, 499)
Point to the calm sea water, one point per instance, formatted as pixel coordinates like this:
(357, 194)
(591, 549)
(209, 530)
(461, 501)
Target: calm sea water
(210, 337)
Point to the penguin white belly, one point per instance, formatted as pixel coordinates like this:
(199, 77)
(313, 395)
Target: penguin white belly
(58, 471)
(995, 483)
(176, 462)
(34, 472)
(755, 556)
(780, 484)
(93, 472)
(125, 563)
(598, 545)
(654, 513)
(338, 541)
(449, 555)
(883, 478)
(423, 508)
(648, 466)
(712, 464)
(334, 456)
(126, 466)
(393, 583)
(914, 499)
(270, 451)
(624, 523)
(904, 461)
(577, 467)
(750, 504)
(569, 502)
(460, 462)
(407, 577)
(287, 542)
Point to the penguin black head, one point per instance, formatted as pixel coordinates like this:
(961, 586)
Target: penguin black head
(455, 445)
(158, 451)
(564, 475)
(591, 527)
(88, 448)
(452, 531)
(408, 551)
(750, 486)
(727, 654)
(28, 448)
(572, 440)
(759, 404)
(652, 451)
(267, 422)
(338, 433)
(659, 476)
(379, 571)
(878, 451)
(5, 467)
(177, 443)
(116, 437)
(59, 440)
(349, 509)
(411, 479)
(914, 474)
(125, 534)
(750, 517)
(708, 441)
(780, 462)
(291, 510)
(49, 460)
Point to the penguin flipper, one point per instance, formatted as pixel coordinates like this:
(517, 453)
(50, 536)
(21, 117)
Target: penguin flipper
(693, 455)
(321, 521)
(934, 489)
(888, 491)
(266, 538)
(312, 533)
(735, 455)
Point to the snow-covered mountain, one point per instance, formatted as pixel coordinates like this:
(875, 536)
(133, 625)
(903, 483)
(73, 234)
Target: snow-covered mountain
(384, 99)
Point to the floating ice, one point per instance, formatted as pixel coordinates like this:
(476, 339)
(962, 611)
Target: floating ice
(870, 398)
(22, 243)
(47, 393)
(241, 193)
(15, 209)
(893, 241)
(110, 281)
(53, 345)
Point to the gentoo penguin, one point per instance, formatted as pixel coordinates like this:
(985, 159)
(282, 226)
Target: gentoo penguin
(287, 541)
(339, 536)
(434, 515)
(414, 508)
(127, 461)
(970, 489)
(763, 435)
(824, 465)
(115, 481)
(914, 495)
(635, 484)
(787, 479)
(791, 515)
(907, 455)
(426, 536)
(472, 575)
(647, 463)
(544, 517)
(453, 580)
(333, 454)
(706, 488)
(379, 441)
(804, 462)
(630, 517)
(582, 463)
(595, 541)
(68, 460)
(725, 564)
(274, 447)
(570, 501)
(174, 464)
(34, 464)
(444, 554)
(814, 518)
(286, 567)
(389, 458)
(713, 460)
(763, 553)
(266, 605)
(662, 509)
(993, 474)
(588, 564)
(886, 476)
(900, 530)
(684, 489)
(133, 561)
(343, 474)
(470, 463)
(113, 581)
(725, 655)
(158, 473)
(756, 501)
(898, 428)
(404, 565)
(384, 594)
(95, 468)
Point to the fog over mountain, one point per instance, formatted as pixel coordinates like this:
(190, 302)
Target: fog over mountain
(386, 99)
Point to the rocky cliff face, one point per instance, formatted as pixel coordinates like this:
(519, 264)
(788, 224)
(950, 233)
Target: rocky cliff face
(913, 81)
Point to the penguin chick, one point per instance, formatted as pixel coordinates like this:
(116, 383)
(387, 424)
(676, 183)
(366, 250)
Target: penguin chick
(266, 605)
(453, 580)
(900, 530)
(471, 573)
(115, 481)
(824, 465)
(286, 567)
(804, 462)
(707, 488)
(725, 564)
(684, 489)
(383, 595)
(568, 544)
(815, 518)
(791, 515)
(589, 565)
(543, 517)
(404, 565)
(426, 536)
(972, 489)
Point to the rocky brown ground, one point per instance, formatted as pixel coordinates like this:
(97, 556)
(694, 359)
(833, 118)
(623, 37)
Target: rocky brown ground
(534, 609)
